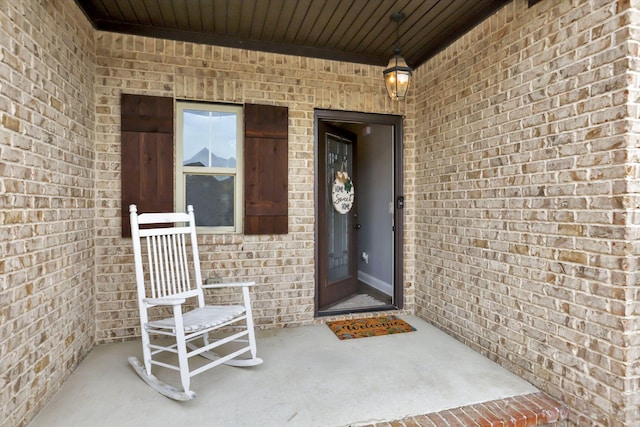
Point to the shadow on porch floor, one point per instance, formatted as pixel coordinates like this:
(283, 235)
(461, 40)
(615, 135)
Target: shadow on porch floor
(310, 378)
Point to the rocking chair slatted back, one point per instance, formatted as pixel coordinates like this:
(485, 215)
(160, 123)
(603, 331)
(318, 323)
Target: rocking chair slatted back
(169, 257)
(168, 268)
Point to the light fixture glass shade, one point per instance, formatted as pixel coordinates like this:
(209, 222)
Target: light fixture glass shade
(397, 77)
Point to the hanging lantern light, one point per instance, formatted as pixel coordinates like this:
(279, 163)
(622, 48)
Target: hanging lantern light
(397, 75)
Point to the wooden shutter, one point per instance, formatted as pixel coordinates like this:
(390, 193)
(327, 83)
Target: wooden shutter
(266, 150)
(147, 155)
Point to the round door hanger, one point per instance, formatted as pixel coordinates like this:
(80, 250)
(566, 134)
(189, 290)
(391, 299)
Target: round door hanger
(342, 192)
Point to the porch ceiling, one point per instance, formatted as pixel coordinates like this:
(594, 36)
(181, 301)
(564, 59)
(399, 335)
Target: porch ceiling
(354, 31)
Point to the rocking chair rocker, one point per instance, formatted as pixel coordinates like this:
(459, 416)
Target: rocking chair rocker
(168, 275)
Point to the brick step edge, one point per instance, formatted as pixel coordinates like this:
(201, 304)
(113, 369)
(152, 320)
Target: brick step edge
(529, 410)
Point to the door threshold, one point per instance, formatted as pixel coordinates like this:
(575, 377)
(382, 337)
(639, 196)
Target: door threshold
(334, 312)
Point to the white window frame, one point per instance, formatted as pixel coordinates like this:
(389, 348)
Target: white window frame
(237, 172)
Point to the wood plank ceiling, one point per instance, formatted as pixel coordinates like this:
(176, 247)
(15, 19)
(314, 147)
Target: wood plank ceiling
(358, 31)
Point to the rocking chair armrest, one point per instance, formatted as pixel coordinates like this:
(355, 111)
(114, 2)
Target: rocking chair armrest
(164, 301)
(229, 285)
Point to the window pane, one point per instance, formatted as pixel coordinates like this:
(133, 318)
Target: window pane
(209, 139)
(212, 199)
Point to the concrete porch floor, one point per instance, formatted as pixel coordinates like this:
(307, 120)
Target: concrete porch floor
(308, 378)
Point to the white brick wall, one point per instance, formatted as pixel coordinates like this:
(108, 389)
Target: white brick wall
(47, 262)
(526, 215)
(283, 266)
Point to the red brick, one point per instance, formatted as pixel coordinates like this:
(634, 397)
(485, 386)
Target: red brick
(504, 413)
(487, 413)
(437, 420)
(451, 419)
(476, 414)
(464, 418)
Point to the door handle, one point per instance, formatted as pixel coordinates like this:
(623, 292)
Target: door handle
(357, 226)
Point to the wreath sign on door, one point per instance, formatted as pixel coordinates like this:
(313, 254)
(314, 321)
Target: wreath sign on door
(342, 192)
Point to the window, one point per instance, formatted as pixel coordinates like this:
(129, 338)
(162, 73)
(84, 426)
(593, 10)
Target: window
(216, 186)
(209, 144)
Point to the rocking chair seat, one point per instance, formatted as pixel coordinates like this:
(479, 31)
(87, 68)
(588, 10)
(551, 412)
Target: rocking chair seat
(200, 318)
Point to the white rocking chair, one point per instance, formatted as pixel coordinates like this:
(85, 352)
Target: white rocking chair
(168, 275)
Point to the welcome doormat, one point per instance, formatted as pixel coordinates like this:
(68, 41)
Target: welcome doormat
(369, 327)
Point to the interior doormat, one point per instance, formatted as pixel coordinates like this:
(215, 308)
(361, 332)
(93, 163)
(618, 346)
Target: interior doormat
(369, 327)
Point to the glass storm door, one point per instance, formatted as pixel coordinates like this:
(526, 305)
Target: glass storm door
(337, 215)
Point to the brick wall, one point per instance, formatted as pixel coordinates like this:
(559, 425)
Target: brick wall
(527, 199)
(521, 181)
(47, 306)
(283, 266)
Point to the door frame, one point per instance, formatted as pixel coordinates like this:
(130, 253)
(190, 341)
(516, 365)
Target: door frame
(396, 121)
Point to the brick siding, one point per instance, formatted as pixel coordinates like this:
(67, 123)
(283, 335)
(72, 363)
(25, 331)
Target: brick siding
(47, 262)
(526, 211)
(282, 265)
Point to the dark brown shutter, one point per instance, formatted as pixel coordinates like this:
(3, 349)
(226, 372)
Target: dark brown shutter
(147, 155)
(266, 148)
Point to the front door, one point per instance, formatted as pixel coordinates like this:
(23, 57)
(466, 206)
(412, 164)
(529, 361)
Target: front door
(337, 215)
